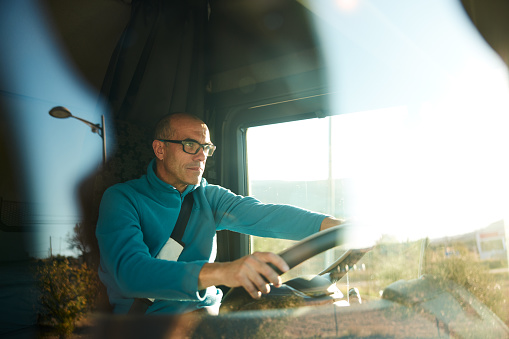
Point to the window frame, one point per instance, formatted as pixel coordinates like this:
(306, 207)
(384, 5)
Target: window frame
(232, 147)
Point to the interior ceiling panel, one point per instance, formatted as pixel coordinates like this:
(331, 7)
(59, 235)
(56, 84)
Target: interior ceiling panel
(247, 31)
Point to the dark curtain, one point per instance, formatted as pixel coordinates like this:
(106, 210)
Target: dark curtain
(158, 65)
(156, 68)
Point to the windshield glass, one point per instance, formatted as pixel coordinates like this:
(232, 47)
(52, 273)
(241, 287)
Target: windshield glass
(415, 150)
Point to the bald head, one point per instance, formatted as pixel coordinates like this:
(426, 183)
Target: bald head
(165, 128)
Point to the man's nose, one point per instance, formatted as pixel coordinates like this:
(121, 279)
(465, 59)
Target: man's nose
(201, 154)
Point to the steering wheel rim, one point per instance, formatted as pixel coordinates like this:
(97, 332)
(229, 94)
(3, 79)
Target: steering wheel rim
(313, 245)
(293, 256)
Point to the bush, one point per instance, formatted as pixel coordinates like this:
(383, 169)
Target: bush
(466, 270)
(67, 293)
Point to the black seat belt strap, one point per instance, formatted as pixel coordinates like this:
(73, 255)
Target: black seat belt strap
(140, 305)
(185, 213)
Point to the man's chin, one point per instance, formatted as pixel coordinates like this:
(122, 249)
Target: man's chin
(195, 180)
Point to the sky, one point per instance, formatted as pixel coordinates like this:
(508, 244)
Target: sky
(421, 100)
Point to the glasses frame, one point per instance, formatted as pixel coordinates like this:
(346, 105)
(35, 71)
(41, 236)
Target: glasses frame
(210, 147)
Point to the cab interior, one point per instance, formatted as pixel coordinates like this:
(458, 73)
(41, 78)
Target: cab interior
(241, 66)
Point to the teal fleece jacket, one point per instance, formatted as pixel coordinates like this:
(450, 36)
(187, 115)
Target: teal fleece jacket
(136, 219)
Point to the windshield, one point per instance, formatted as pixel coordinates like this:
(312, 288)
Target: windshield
(415, 150)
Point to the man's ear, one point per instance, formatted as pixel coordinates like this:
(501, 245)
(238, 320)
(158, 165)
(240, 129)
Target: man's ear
(158, 147)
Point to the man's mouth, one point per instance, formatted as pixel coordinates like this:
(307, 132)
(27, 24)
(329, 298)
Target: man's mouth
(195, 168)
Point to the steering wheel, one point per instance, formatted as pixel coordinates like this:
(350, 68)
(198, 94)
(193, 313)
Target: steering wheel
(296, 254)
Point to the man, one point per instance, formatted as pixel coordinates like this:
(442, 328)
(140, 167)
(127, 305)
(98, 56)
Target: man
(136, 220)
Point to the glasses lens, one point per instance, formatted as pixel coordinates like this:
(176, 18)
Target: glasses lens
(209, 150)
(191, 147)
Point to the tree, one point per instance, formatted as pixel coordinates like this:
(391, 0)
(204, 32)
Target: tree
(67, 292)
(83, 239)
(79, 240)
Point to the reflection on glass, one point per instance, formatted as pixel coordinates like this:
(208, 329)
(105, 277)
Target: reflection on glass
(427, 212)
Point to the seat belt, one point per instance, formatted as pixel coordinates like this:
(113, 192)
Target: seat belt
(140, 305)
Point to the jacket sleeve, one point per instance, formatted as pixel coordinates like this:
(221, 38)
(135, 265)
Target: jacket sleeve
(250, 216)
(126, 263)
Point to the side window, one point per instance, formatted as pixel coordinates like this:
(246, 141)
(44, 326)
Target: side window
(315, 164)
(288, 163)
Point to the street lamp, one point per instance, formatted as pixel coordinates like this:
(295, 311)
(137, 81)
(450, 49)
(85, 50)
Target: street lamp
(63, 113)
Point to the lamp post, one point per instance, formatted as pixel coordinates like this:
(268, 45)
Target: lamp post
(63, 113)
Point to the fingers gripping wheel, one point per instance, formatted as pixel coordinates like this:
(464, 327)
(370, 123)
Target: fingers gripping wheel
(298, 253)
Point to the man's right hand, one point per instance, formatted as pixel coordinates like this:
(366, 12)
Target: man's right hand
(252, 272)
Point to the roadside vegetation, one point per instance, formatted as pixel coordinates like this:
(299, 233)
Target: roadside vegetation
(68, 289)
(390, 261)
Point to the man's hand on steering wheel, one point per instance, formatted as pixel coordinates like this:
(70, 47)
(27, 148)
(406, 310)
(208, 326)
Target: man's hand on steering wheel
(253, 272)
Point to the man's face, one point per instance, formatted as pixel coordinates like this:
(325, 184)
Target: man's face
(178, 168)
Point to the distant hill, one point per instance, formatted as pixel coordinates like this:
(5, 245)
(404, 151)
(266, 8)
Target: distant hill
(495, 227)
(312, 195)
(489, 242)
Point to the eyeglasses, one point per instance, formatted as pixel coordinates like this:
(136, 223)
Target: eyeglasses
(192, 146)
